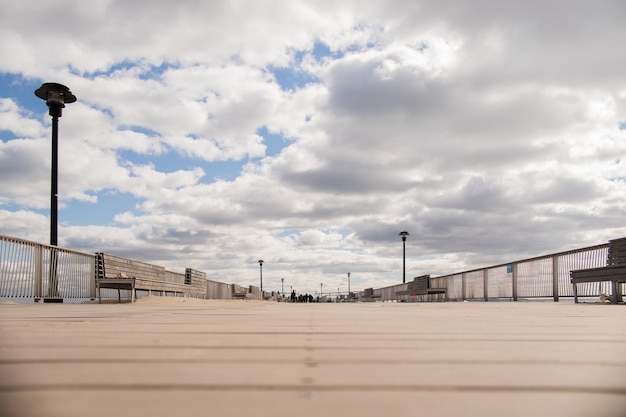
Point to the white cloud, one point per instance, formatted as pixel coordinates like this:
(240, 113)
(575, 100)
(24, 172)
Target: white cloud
(14, 119)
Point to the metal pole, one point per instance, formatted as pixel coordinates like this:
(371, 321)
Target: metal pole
(54, 193)
(403, 260)
(348, 285)
(54, 109)
(261, 272)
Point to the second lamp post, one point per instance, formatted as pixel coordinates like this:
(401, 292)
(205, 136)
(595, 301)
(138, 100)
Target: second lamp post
(404, 234)
(261, 272)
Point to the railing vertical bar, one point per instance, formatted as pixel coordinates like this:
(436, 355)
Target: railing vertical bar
(555, 277)
(7, 269)
(12, 265)
(463, 287)
(514, 280)
(92, 281)
(22, 279)
(38, 278)
(486, 284)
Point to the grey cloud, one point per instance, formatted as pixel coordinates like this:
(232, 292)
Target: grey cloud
(564, 190)
(477, 194)
(347, 177)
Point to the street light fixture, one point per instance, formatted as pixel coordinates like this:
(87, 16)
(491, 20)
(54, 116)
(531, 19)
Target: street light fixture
(348, 286)
(56, 96)
(403, 234)
(261, 272)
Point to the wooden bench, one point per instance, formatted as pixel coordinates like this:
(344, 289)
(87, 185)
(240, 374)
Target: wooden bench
(238, 292)
(421, 286)
(614, 271)
(119, 282)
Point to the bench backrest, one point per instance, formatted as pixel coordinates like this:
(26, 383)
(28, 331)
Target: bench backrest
(419, 285)
(617, 252)
(238, 289)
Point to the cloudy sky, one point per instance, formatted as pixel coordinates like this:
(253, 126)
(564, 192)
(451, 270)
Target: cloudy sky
(210, 134)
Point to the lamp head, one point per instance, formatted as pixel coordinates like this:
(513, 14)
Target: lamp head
(55, 95)
(404, 234)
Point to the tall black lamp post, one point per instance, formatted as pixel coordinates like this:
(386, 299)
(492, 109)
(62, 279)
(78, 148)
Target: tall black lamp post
(56, 96)
(261, 272)
(403, 234)
(348, 286)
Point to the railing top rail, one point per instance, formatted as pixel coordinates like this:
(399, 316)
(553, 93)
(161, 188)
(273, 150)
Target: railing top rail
(32, 243)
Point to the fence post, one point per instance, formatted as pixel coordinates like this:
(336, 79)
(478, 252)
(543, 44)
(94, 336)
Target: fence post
(463, 286)
(92, 281)
(514, 277)
(38, 271)
(555, 277)
(486, 283)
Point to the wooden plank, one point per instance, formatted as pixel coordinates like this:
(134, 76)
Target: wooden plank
(617, 252)
(607, 273)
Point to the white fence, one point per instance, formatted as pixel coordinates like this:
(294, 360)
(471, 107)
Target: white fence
(33, 270)
(541, 277)
(546, 276)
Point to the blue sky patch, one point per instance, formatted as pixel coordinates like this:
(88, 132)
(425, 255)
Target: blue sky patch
(275, 143)
(82, 213)
(149, 72)
(172, 162)
(288, 232)
(292, 78)
(22, 91)
(321, 51)
(139, 129)
(7, 135)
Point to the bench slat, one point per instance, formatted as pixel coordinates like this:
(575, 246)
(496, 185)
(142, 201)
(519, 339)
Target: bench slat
(605, 273)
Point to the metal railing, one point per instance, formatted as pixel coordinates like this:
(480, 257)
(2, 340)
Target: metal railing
(34, 270)
(541, 277)
(545, 276)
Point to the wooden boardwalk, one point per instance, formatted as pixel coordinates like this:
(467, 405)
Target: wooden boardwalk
(181, 357)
